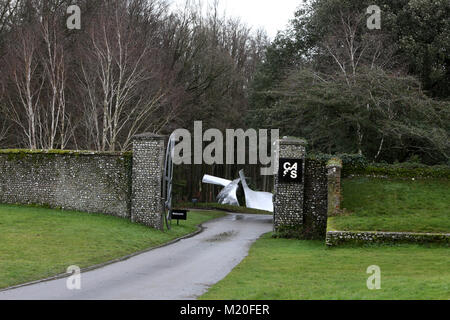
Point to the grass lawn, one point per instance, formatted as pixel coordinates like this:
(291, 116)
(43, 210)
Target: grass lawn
(282, 269)
(36, 243)
(377, 204)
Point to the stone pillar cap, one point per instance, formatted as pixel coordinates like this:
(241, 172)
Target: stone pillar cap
(149, 136)
(335, 163)
(294, 141)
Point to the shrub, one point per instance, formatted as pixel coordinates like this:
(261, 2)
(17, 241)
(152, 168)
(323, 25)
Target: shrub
(356, 164)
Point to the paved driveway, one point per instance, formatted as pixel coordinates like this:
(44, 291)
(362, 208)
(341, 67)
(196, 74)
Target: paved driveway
(184, 270)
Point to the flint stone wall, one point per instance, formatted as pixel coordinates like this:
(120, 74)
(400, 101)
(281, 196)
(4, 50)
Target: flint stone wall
(316, 200)
(334, 168)
(126, 185)
(337, 238)
(288, 197)
(301, 210)
(148, 168)
(82, 181)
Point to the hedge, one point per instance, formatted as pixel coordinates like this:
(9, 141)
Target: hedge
(406, 171)
(355, 164)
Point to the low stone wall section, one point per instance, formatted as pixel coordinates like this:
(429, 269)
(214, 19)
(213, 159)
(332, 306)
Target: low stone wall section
(338, 238)
(83, 181)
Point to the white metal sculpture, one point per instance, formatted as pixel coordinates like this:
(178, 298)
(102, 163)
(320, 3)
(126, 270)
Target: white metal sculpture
(217, 181)
(253, 199)
(228, 194)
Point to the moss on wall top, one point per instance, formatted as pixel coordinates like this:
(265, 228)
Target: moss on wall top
(63, 152)
(334, 162)
(322, 158)
(294, 140)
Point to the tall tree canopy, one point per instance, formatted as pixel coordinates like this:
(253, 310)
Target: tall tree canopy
(346, 88)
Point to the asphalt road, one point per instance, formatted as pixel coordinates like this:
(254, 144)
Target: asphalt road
(181, 271)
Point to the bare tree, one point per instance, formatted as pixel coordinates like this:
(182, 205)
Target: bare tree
(350, 47)
(4, 129)
(55, 118)
(135, 66)
(24, 108)
(38, 74)
(8, 9)
(115, 72)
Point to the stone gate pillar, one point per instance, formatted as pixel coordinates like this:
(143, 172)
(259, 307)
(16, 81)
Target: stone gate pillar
(148, 167)
(334, 167)
(289, 187)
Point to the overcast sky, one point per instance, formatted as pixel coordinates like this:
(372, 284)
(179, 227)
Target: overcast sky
(272, 15)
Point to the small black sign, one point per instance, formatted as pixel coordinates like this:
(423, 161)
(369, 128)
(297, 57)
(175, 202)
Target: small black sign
(290, 171)
(179, 214)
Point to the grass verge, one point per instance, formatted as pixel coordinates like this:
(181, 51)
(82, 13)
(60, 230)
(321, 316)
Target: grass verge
(397, 205)
(280, 269)
(36, 243)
